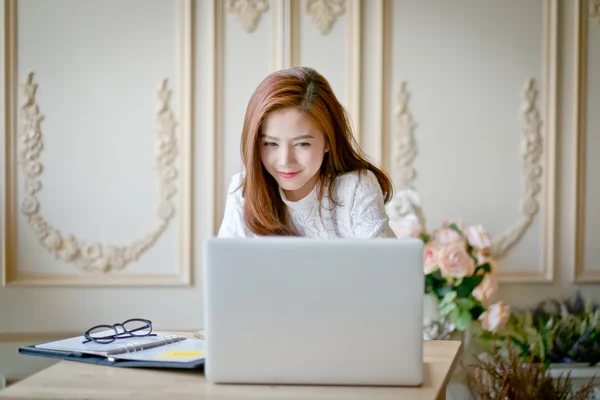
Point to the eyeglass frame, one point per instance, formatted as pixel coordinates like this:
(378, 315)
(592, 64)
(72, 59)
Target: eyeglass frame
(117, 334)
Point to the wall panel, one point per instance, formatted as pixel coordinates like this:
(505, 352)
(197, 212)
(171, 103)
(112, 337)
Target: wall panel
(471, 111)
(587, 143)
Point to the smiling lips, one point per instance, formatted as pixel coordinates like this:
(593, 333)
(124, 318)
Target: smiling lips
(288, 175)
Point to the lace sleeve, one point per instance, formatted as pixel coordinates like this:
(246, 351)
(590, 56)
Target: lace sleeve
(233, 218)
(369, 218)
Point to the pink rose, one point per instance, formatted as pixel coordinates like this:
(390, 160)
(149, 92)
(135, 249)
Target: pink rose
(407, 227)
(448, 236)
(431, 258)
(487, 289)
(478, 237)
(495, 317)
(455, 262)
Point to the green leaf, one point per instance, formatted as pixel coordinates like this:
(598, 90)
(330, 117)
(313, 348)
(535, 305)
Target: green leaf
(429, 284)
(469, 283)
(458, 282)
(476, 312)
(456, 228)
(486, 267)
(487, 335)
(447, 308)
(463, 320)
(448, 297)
(425, 237)
(437, 275)
(523, 346)
(454, 314)
(442, 291)
(466, 303)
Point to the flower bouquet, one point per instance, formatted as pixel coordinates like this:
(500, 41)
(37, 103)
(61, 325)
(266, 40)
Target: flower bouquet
(458, 271)
(458, 267)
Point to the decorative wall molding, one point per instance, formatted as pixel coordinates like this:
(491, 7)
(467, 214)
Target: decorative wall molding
(105, 259)
(281, 23)
(381, 79)
(537, 149)
(531, 150)
(354, 80)
(404, 145)
(580, 274)
(248, 12)
(595, 10)
(544, 268)
(68, 247)
(215, 113)
(324, 13)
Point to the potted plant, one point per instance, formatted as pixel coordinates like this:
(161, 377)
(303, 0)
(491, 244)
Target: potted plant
(563, 336)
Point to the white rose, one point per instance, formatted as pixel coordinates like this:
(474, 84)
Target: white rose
(404, 203)
(407, 227)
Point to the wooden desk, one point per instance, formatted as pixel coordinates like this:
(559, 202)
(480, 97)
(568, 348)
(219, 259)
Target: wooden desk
(74, 380)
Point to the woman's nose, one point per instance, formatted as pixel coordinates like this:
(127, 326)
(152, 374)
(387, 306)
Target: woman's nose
(286, 157)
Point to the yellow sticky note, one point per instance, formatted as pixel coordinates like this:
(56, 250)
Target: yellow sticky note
(183, 354)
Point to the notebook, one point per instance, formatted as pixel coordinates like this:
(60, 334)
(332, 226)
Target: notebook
(163, 350)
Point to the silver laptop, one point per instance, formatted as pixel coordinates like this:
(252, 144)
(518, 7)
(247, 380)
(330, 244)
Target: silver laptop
(282, 310)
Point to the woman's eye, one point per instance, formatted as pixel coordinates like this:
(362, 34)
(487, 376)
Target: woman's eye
(303, 144)
(270, 144)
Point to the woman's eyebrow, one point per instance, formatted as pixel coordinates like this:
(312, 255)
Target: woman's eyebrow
(296, 138)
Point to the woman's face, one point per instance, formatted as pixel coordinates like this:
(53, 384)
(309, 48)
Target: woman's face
(292, 151)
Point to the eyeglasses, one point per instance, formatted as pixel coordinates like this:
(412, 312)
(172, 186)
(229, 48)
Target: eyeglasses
(104, 334)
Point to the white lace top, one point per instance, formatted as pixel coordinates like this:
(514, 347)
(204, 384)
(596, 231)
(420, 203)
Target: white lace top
(361, 211)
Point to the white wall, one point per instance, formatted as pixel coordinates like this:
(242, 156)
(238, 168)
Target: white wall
(464, 63)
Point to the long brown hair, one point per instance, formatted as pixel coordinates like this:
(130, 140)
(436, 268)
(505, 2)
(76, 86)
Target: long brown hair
(307, 91)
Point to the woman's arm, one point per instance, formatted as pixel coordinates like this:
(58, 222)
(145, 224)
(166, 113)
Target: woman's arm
(233, 218)
(368, 216)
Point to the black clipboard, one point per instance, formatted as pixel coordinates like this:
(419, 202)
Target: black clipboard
(31, 350)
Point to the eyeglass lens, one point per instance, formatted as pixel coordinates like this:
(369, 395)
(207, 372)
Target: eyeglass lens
(137, 327)
(131, 327)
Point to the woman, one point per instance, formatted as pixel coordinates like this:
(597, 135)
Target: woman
(304, 174)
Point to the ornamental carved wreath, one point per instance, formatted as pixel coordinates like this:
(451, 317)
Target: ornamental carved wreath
(530, 150)
(68, 247)
(322, 13)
